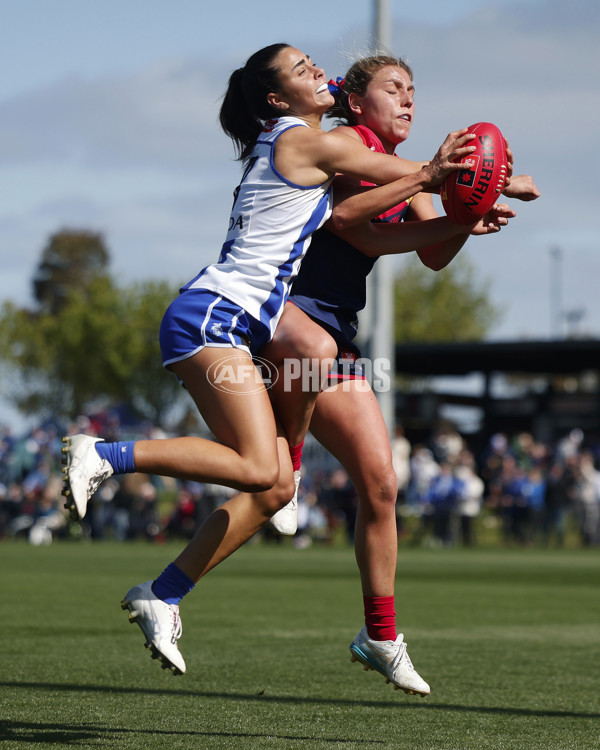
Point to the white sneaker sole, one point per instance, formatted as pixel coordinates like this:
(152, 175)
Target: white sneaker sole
(77, 493)
(70, 505)
(154, 652)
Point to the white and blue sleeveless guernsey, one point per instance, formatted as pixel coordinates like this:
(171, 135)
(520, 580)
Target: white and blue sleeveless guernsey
(270, 228)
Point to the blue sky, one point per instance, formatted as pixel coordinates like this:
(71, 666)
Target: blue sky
(48, 40)
(108, 122)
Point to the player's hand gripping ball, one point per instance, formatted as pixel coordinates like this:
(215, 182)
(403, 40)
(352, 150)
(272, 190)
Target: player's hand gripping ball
(469, 194)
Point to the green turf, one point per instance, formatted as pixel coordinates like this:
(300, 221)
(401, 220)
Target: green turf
(509, 641)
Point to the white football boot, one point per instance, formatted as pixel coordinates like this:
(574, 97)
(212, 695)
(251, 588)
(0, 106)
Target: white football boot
(390, 659)
(83, 472)
(285, 521)
(160, 623)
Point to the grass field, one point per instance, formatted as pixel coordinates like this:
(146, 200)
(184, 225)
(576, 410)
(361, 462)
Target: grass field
(509, 641)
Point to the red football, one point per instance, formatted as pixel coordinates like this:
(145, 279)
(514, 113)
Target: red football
(470, 193)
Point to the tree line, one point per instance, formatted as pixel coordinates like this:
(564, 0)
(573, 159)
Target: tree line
(88, 338)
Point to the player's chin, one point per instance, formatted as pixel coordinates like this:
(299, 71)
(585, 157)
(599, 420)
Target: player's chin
(403, 130)
(324, 99)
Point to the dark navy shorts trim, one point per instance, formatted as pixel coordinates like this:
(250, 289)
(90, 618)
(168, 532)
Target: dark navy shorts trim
(346, 367)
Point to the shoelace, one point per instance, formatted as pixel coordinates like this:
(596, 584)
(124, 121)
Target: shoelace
(407, 658)
(400, 654)
(177, 628)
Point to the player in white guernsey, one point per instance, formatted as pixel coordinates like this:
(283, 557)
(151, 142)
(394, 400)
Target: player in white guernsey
(230, 309)
(270, 227)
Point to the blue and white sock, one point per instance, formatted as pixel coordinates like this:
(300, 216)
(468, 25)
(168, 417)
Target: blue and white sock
(172, 585)
(119, 455)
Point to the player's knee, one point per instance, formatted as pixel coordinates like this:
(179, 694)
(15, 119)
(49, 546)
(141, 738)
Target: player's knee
(389, 487)
(277, 497)
(260, 476)
(325, 348)
(283, 492)
(315, 344)
(382, 491)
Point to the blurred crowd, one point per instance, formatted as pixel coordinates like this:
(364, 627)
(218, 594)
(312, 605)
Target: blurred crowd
(532, 492)
(516, 490)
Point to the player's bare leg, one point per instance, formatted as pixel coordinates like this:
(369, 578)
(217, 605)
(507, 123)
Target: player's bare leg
(244, 423)
(347, 420)
(303, 352)
(241, 418)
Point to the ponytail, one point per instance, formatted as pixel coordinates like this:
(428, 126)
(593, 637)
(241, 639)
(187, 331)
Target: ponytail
(245, 107)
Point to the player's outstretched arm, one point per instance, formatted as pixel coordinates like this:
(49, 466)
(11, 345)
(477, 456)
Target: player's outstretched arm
(333, 151)
(354, 204)
(436, 240)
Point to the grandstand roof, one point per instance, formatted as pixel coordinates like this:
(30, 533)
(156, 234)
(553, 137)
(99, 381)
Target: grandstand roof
(568, 356)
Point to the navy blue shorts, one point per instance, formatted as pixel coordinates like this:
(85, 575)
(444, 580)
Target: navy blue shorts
(346, 367)
(199, 318)
(348, 362)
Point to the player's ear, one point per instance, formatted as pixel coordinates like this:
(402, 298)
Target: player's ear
(355, 103)
(276, 101)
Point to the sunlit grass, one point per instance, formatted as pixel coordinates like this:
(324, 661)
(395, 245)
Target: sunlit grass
(508, 639)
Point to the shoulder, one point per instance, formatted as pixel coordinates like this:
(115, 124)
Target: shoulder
(339, 140)
(347, 130)
(321, 144)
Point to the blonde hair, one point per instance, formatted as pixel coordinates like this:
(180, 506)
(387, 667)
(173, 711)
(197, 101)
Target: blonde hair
(357, 80)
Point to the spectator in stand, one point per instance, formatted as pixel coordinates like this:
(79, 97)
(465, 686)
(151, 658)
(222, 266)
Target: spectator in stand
(509, 497)
(470, 501)
(401, 461)
(340, 498)
(570, 446)
(522, 448)
(423, 468)
(446, 444)
(560, 492)
(182, 521)
(587, 499)
(401, 464)
(491, 463)
(534, 491)
(445, 493)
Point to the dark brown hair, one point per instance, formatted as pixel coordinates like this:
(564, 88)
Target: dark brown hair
(245, 106)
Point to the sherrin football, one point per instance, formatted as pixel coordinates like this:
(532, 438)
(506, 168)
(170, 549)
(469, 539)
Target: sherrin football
(469, 194)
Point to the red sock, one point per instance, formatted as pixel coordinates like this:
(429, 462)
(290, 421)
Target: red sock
(380, 618)
(296, 454)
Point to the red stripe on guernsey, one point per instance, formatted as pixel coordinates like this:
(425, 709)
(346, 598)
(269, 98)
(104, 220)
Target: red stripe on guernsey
(380, 618)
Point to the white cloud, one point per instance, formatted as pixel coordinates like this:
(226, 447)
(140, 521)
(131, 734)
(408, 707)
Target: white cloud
(141, 156)
(157, 118)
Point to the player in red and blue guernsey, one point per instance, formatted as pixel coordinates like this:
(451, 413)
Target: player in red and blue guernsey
(332, 286)
(376, 103)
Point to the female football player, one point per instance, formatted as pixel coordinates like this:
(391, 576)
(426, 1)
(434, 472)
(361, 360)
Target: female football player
(272, 110)
(375, 103)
